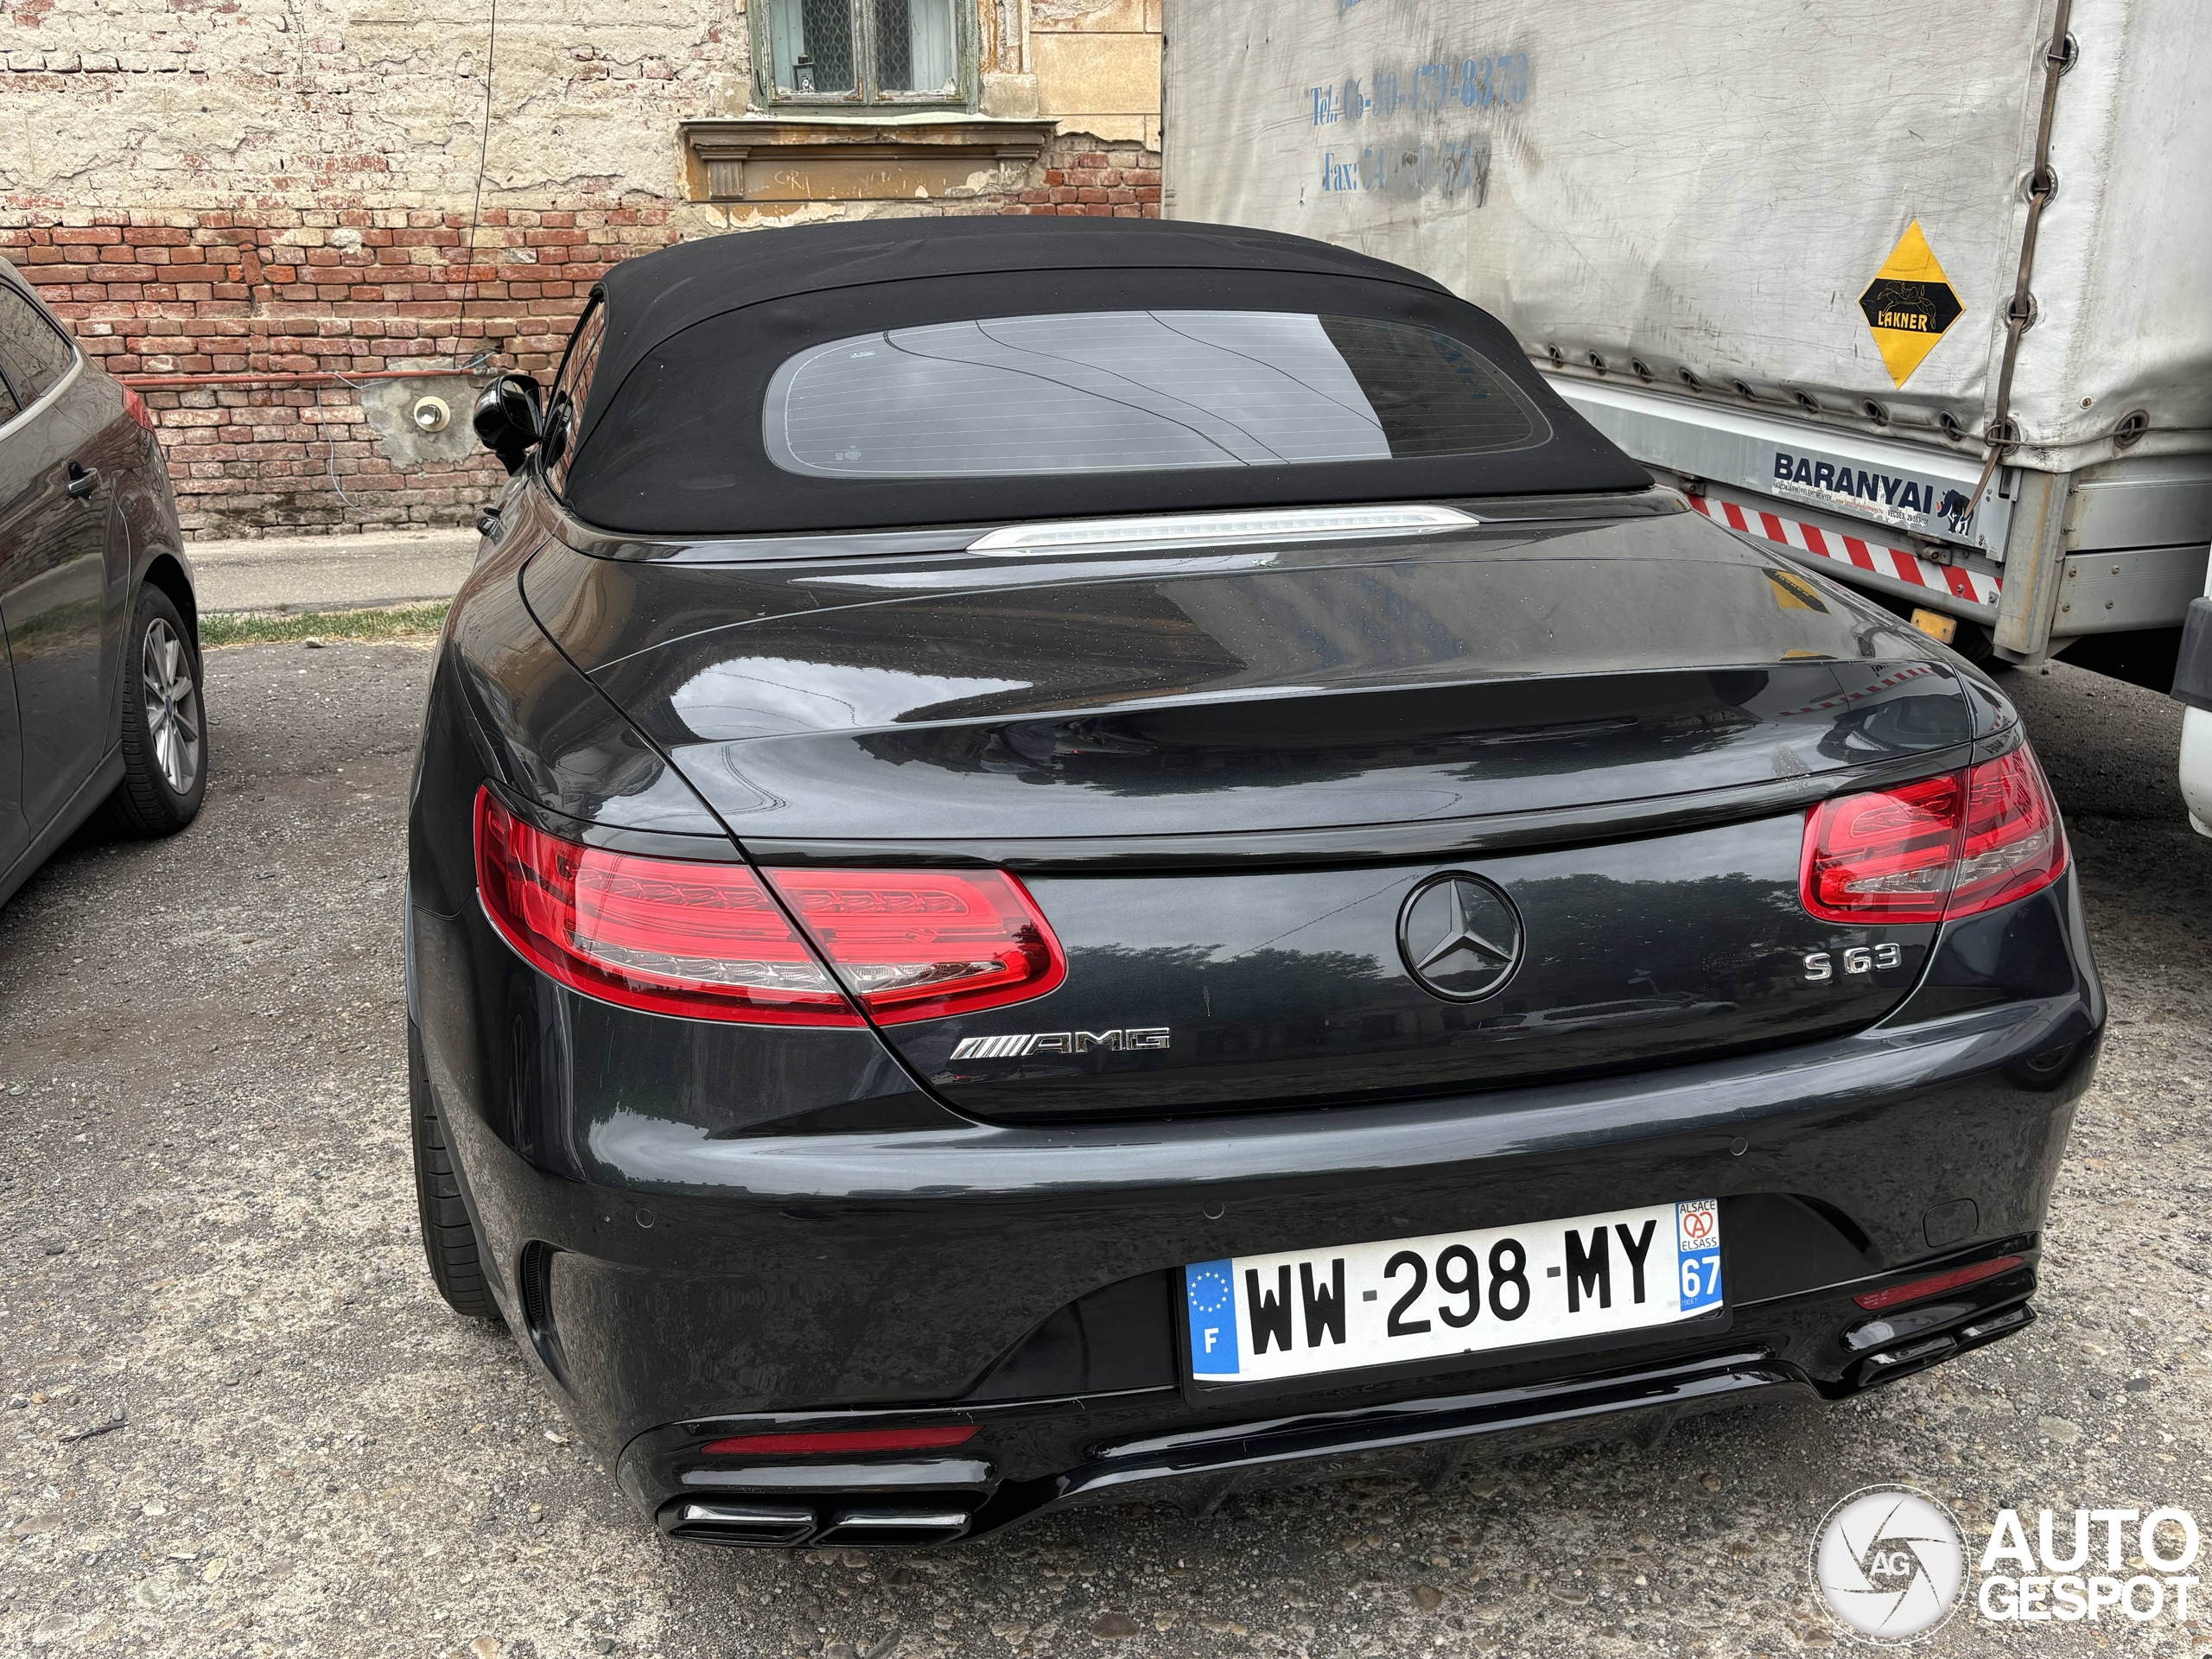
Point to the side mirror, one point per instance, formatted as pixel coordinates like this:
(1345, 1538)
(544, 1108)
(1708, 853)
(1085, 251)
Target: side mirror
(510, 418)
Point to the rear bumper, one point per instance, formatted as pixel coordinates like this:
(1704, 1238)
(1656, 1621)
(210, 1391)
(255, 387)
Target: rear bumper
(2196, 767)
(694, 1285)
(2193, 689)
(1105, 1452)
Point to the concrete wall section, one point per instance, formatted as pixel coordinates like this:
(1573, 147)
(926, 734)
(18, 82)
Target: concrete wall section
(1097, 65)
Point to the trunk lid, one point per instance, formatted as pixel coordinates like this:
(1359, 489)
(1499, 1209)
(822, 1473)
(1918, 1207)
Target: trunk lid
(1227, 776)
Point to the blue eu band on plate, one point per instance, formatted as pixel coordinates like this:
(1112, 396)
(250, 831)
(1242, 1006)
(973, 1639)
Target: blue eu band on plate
(1266, 1318)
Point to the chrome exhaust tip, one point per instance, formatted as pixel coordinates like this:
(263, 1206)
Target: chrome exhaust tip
(741, 1523)
(1902, 1361)
(879, 1524)
(864, 1520)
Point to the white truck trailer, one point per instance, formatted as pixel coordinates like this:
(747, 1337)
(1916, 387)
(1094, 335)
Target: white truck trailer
(1921, 295)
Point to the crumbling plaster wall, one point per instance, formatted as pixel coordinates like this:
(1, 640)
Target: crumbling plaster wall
(305, 103)
(236, 203)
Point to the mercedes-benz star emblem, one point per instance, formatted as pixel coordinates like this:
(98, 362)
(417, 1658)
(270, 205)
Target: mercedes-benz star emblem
(1460, 936)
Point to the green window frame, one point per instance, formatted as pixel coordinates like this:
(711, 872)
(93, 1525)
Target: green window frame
(843, 53)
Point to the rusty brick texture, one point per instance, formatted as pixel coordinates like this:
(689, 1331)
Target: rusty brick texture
(310, 227)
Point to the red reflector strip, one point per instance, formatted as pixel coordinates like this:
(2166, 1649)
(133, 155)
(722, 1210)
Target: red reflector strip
(801, 1442)
(1975, 584)
(1934, 1284)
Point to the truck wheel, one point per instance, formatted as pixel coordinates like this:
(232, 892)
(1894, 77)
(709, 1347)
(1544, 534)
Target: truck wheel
(449, 1237)
(164, 723)
(1977, 644)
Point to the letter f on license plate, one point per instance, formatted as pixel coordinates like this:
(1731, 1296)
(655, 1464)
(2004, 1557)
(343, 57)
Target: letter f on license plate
(1304, 1312)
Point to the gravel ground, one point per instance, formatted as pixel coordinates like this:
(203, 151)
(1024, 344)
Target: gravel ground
(237, 1420)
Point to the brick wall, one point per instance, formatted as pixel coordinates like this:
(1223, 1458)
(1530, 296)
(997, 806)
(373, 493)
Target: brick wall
(234, 208)
(234, 325)
(1120, 180)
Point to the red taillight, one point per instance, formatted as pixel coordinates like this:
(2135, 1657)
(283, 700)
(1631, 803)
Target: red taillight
(2012, 843)
(920, 944)
(704, 941)
(1885, 857)
(804, 1442)
(1934, 1284)
(134, 407)
(709, 942)
(1948, 846)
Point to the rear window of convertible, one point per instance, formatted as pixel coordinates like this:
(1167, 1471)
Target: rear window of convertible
(993, 396)
(1153, 390)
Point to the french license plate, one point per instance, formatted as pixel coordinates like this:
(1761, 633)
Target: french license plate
(1262, 1317)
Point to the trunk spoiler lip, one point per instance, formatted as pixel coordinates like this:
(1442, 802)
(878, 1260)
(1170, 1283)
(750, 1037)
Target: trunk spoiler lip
(1425, 840)
(1490, 511)
(1181, 530)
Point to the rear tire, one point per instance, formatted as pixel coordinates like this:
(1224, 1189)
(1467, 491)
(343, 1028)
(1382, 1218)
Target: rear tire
(1977, 644)
(164, 723)
(449, 1237)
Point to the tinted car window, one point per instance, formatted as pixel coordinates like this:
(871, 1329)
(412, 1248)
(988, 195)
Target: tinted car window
(35, 354)
(570, 387)
(1138, 391)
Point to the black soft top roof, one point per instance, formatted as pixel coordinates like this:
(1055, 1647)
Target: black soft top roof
(669, 442)
(658, 296)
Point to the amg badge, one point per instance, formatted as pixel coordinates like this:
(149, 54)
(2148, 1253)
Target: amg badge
(1058, 1042)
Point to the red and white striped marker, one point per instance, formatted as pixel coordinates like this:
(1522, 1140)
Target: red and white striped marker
(1972, 587)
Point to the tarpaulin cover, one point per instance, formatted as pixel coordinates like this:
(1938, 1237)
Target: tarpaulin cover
(1733, 190)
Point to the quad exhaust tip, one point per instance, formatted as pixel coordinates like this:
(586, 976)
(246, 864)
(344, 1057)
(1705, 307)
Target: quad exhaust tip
(1902, 1361)
(749, 1523)
(766, 1524)
(894, 1526)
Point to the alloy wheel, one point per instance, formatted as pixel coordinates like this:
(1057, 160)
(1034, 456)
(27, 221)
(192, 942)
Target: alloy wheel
(172, 705)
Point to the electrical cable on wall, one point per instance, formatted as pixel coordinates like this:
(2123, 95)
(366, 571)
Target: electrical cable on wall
(468, 253)
(476, 206)
(331, 458)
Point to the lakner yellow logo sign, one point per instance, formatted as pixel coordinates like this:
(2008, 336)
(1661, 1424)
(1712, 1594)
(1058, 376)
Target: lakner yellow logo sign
(1909, 305)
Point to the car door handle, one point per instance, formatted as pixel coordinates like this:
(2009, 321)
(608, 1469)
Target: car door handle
(83, 479)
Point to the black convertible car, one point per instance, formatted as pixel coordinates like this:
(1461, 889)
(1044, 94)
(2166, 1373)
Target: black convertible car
(1057, 861)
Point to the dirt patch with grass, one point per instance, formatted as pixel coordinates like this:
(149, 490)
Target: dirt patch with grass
(399, 622)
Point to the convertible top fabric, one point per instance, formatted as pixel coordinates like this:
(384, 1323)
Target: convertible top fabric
(669, 443)
(656, 295)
